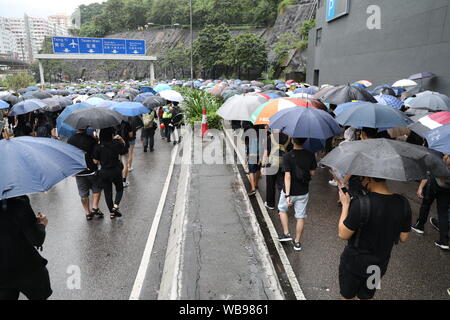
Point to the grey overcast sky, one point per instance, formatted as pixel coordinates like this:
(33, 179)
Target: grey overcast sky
(40, 8)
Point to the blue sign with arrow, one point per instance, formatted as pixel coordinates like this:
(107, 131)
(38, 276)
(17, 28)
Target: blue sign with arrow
(65, 45)
(91, 45)
(98, 46)
(114, 46)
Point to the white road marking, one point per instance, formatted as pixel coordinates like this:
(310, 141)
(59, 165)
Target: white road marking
(140, 277)
(171, 280)
(284, 259)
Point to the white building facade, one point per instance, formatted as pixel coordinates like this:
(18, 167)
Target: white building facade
(30, 33)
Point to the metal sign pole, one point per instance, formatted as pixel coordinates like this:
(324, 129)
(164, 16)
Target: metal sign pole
(41, 74)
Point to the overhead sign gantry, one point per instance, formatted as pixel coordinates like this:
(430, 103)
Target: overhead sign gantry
(71, 48)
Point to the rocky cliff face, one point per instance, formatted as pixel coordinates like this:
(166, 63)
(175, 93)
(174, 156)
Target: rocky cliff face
(159, 41)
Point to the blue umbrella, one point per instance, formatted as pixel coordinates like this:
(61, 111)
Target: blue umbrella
(198, 84)
(342, 107)
(130, 109)
(398, 91)
(309, 90)
(439, 139)
(302, 122)
(314, 145)
(106, 104)
(28, 94)
(161, 87)
(64, 130)
(4, 104)
(281, 86)
(141, 97)
(148, 89)
(359, 85)
(32, 88)
(389, 101)
(95, 101)
(27, 106)
(31, 165)
(373, 115)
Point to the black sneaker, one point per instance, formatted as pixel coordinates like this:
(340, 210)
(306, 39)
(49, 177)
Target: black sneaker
(416, 228)
(435, 223)
(98, 213)
(145, 149)
(285, 238)
(297, 246)
(442, 245)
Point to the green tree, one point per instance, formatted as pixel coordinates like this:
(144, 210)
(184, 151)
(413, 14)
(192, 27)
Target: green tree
(246, 52)
(210, 47)
(88, 12)
(19, 80)
(293, 41)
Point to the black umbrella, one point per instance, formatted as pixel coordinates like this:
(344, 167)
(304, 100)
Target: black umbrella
(95, 118)
(62, 92)
(386, 159)
(269, 87)
(12, 99)
(280, 93)
(347, 93)
(41, 95)
(154, 102)
(246, 89)
(22, 91)
(23, 98)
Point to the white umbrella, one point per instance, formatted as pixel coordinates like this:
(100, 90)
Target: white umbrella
(171, 95)
(302, 96)
(240, 107)
(404, 83)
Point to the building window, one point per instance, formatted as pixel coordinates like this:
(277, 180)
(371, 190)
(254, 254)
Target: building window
(318, 36)
(316, 77)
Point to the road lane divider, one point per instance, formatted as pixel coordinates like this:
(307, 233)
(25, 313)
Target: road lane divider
(146, 257)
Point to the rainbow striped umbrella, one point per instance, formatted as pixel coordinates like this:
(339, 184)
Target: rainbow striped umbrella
(272, 107)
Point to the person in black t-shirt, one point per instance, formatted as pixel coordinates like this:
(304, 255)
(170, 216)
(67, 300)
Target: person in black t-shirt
(372, 224)
(22, 268)
(299, 167)
(88, 180)
(107, 154)
(125, 131)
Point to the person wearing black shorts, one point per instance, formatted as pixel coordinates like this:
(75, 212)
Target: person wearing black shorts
(88, 179)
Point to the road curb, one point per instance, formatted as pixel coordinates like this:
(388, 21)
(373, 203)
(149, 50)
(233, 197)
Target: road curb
(282, 254)
(170, 286)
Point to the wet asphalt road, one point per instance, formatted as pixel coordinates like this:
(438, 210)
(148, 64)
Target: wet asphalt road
(417, 269)
(106, 252)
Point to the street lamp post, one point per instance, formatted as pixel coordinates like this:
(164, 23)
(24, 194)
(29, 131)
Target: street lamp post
(192, 46)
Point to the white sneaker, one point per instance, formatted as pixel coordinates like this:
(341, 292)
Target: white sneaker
(270, 208)
(333, 183)
(130, 169)
(126, 184)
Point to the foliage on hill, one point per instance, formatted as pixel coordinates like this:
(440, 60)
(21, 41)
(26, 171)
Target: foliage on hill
(112, 16)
